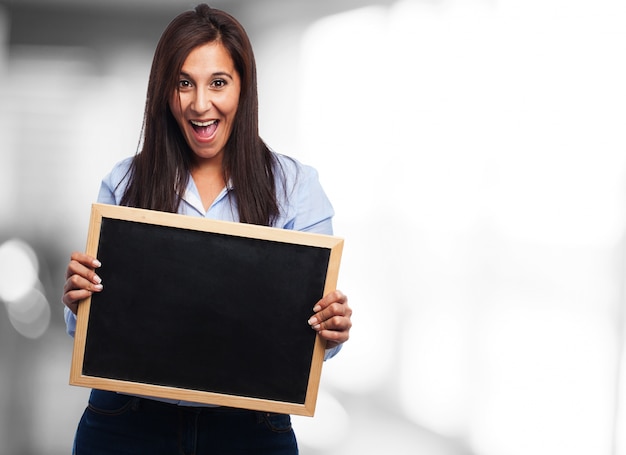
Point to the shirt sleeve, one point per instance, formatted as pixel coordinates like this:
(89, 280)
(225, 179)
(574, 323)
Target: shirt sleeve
(308, 208)
(332, 352)
(111, 190)
(70, 322)
(305, 205)
(114, 183)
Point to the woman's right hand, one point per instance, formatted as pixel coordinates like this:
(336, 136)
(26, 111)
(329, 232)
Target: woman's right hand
(81, 280)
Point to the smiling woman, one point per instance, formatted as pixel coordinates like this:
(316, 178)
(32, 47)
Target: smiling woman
(212, 56)
(202, 156)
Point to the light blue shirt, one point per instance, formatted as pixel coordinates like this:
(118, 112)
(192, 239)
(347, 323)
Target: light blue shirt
(303, 206)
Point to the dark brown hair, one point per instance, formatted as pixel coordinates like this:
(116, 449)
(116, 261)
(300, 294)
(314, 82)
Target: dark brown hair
(160, 171)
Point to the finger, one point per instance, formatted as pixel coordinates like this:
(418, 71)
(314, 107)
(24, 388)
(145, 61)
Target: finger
(77, 269)
(77, 282)
(332, 319)
(331, 304)
(72, 299)
(336, 323)
(81, 263)
(334, 338)
(322, 319)
(77, 288)
(330, 298)
(86, 259)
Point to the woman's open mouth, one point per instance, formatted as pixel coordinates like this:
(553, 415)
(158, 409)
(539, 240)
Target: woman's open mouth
(204, 130)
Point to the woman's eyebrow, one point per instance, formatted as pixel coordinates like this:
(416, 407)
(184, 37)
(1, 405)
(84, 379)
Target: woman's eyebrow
(222, 74)
(216, 74)
(185, 75)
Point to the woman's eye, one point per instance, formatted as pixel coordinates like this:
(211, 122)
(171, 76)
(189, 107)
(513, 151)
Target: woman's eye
(218, 83)
(184, 84)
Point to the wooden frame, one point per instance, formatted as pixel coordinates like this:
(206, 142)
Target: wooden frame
(244, 344)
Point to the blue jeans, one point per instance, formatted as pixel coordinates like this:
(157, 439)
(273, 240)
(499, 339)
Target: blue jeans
(120, 424)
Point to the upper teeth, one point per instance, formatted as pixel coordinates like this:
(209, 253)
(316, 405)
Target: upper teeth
(210, 122)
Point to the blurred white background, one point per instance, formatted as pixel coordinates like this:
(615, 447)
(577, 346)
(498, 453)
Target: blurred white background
(475, 154)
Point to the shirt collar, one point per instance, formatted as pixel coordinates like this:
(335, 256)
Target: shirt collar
(192, 195)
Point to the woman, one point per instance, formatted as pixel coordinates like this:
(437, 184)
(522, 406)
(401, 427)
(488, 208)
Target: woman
(202, 155)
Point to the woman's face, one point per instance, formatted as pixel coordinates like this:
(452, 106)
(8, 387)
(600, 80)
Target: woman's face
(206, 99)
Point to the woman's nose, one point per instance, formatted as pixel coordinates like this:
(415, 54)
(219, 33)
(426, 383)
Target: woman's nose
(202, 101)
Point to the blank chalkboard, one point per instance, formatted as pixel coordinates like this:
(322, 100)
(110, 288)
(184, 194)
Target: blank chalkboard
(204, 311)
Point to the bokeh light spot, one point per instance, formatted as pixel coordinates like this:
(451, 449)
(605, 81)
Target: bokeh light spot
(30, 315)
(19, 270)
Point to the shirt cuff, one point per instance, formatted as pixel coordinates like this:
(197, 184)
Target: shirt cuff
(332, 352)
(70, 322)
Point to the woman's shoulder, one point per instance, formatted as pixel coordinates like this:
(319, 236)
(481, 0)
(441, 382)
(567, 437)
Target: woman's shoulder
(122, 166)
(114, 183)
(119, 171)
(304, 204)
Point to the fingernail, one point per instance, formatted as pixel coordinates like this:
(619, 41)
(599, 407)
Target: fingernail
(313, 320)
(96, 263)
(316, 308)
(98, 287)
(97, 279)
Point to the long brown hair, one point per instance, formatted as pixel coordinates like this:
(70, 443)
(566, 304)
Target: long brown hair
(160, 171)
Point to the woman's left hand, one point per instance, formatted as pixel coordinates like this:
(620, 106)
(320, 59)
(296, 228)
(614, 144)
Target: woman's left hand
(332, 319)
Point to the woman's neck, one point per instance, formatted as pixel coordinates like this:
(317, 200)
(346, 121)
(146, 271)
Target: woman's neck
(209, 180)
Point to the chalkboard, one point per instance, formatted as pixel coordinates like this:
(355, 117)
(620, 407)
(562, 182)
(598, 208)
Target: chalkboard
(204, 311)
